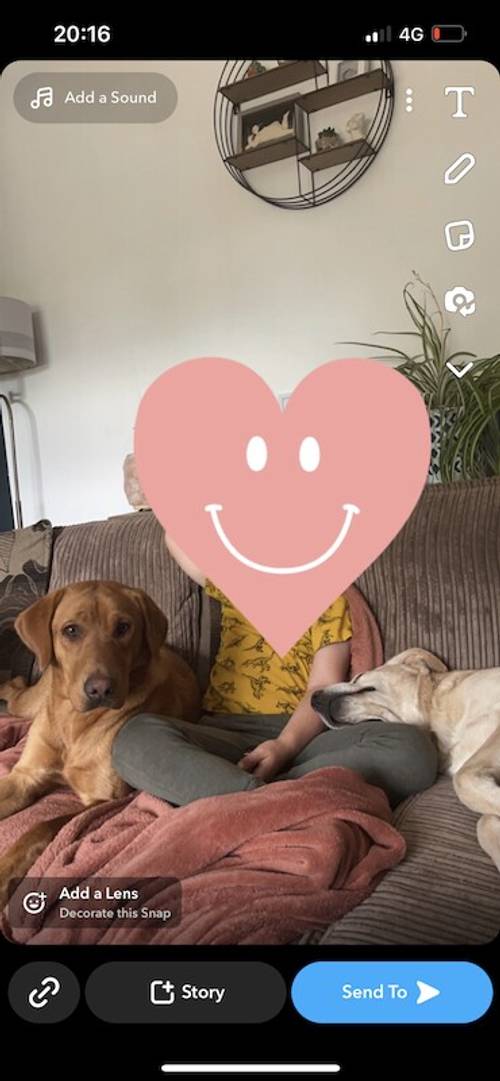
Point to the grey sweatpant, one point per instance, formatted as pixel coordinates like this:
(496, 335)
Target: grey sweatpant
(181, 762)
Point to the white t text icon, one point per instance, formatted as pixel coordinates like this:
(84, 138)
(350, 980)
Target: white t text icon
(459, 91)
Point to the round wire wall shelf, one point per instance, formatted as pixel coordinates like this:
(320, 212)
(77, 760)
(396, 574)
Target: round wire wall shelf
(265, 127)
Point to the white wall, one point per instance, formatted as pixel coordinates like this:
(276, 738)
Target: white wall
(138, 250)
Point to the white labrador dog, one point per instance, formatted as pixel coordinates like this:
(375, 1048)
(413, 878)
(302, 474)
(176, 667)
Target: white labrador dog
(460, 709)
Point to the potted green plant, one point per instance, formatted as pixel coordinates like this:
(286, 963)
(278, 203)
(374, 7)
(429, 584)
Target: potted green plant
(464, 412)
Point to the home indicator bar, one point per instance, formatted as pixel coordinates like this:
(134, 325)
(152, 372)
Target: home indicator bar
(305, 1068)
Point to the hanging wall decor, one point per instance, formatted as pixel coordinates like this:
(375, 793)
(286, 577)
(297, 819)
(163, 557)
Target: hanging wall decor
(292, 132)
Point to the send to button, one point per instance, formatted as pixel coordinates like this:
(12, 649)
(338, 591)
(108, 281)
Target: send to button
(392, 992)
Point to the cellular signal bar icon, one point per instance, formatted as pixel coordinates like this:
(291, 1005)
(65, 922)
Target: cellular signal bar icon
(379, 36)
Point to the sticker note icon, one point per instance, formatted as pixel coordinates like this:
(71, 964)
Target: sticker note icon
(459, 235)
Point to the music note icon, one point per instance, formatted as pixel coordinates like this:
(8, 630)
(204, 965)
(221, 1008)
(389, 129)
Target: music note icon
(44, 96)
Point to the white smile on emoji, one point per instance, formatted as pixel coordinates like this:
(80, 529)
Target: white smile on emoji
(350, 510)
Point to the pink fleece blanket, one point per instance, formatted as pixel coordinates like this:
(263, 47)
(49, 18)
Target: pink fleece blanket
(261, 867)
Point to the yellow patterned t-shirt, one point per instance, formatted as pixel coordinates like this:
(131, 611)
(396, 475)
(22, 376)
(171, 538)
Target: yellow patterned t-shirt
(249, 677)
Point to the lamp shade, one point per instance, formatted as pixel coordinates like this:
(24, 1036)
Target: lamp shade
(17, 343)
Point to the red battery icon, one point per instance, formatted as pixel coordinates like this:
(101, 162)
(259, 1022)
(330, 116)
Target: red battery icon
(448, 34)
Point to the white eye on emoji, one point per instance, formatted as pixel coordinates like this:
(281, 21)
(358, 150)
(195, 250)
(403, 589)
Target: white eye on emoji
(256, 453)
(309, 454)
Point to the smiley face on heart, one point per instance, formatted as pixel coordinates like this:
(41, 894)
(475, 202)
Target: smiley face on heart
(282, 510)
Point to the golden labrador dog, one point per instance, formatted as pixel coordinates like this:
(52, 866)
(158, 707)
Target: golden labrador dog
(100, 649)
(460, 709)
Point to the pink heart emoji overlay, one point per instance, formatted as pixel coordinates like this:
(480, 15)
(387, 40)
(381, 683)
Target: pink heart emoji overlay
(282, 510)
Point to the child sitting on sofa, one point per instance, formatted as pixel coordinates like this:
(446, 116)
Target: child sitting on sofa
(258, 724)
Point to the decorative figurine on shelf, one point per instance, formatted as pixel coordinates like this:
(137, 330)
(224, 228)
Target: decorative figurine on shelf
(357, 127)
(278, 129)
(327, 139)
(256, 68)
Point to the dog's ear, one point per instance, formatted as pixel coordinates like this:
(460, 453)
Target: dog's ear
(155, 622)
(34, 627)
(419, 660)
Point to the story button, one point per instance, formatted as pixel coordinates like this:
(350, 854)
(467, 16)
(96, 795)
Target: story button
(185, 992)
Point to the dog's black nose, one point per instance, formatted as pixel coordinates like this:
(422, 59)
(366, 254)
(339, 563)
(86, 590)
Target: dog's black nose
(317, 700)
(99, 689)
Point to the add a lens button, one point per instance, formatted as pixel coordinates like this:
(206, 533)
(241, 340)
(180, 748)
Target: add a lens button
(392, 992)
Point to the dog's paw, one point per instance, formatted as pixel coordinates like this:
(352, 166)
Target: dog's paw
(5, 809)
(8, 805)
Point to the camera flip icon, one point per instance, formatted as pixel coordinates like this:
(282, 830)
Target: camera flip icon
(459, 299)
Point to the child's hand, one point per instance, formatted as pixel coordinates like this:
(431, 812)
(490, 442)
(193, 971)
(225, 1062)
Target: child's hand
(266, 760)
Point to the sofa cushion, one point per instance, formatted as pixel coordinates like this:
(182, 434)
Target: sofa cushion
(131, 549)
(24, 574)
(437, 585)
(445, 892)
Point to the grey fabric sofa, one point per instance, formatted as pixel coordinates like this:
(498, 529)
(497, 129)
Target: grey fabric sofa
(437, 586)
